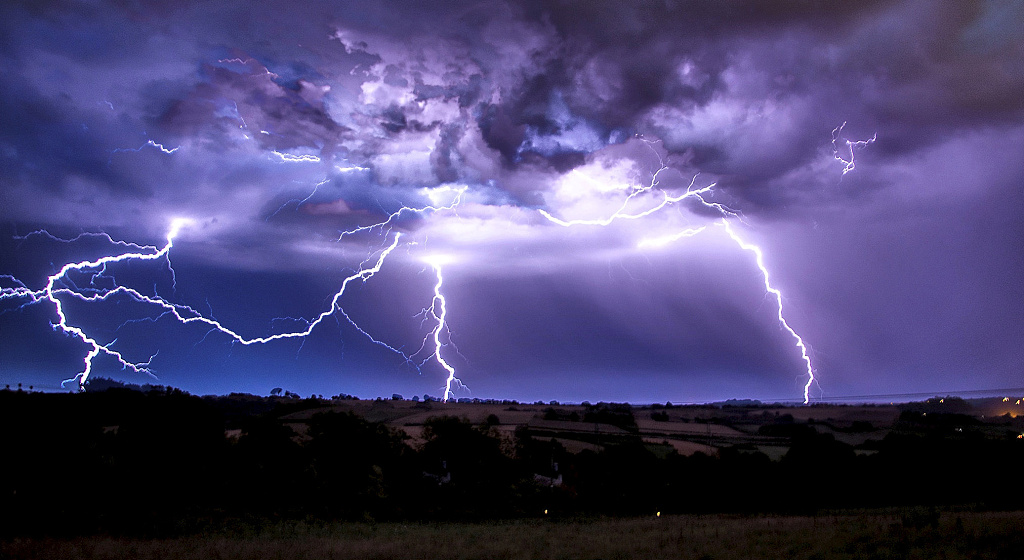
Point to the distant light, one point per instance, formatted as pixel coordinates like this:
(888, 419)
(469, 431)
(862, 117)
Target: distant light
(176, 225)
(438, 259)
(657, 514)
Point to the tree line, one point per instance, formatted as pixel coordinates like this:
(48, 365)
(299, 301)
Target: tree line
(166, 462)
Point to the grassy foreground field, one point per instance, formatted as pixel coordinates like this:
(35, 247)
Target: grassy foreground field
(907, 534)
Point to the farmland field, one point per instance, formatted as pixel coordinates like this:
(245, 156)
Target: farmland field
(167, 474)
(906, 533)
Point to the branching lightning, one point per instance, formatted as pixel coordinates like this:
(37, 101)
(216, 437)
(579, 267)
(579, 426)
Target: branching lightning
(726, 213)
(299, 201)
(293, 158)
(150, 143)
(641, 202)
(61, 285)
(58, 284)
(852, 145)
(759, 258)
(438, 311)
(622, 212)
(435, 206)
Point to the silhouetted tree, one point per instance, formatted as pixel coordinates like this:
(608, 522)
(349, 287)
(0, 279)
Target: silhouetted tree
(821, 465)
(359, 468)
(268, 466)
(469, 466)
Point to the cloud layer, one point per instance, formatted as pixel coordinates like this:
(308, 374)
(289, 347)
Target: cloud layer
(277, 126)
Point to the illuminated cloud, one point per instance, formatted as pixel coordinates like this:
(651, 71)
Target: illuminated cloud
(278, 127)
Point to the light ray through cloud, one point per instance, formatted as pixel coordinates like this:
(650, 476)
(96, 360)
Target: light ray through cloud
(573, 162)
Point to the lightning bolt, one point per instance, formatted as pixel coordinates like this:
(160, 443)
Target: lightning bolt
(622, 213)
(848, 164)
(296, 158)
(50, 292)
(299, 202)
(363, 274)
(435, 206)
(438, 311)
(59, 284)
(666, 199)
(759, 258)
(163, 148)
(350, 168)
(726, 213)
(665, 240)
(150, 143)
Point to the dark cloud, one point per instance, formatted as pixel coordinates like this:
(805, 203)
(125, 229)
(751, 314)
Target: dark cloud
(277, 126)
(276, 116)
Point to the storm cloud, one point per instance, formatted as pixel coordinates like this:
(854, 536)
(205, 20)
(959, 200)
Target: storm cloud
(277, 126)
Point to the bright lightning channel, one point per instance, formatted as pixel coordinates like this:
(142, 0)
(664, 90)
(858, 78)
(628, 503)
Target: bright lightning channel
(438, 310)
(293, 158)
(848, 164)
(435, 206)
(759, 259)
(665, 240)
(150, 143)
(60, 285)
(725, 212)
(50, 292)
(666, 200)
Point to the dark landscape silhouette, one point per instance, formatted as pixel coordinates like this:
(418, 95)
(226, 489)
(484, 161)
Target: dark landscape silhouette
(161, 462)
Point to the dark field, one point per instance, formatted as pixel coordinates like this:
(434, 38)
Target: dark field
(909, 533)
(163, 474)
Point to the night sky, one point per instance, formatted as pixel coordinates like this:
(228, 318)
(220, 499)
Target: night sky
(277, 126)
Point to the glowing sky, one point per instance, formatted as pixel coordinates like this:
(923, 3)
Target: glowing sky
(276, 126)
